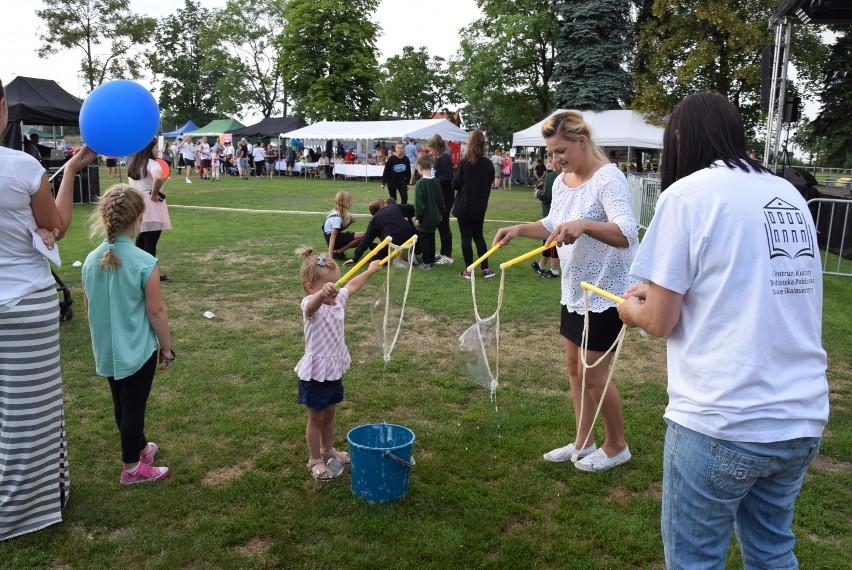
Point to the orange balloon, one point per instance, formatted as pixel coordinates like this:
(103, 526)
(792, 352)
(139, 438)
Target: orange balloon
(165, 166)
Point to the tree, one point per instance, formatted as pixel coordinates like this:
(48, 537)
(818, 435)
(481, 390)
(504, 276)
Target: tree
(592, 49)
(189, 64)
(252, 78)
(831, 127)
(698, 45)
(505, 64)
(413, 85)
(106, 31)
(327, 57)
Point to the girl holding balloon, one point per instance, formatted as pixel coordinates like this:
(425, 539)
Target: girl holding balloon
(146, 175)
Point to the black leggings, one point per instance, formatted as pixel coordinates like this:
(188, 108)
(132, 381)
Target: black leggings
(472, 230)
(129, 398)
(403, 193)
(147, 241)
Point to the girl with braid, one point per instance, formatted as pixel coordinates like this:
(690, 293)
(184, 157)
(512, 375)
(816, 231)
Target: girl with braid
(128, 323)
(145, 174)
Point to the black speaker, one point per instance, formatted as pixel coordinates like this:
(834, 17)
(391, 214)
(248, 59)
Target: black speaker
(87, 186)
(792, 109)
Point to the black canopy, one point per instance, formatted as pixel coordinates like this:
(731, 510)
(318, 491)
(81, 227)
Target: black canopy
(270, 127)
(38, 102)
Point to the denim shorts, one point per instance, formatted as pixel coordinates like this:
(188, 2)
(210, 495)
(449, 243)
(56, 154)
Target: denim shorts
(712, 487)
(320, 395)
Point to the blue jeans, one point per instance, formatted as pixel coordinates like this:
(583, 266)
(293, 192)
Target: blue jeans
(712, 486)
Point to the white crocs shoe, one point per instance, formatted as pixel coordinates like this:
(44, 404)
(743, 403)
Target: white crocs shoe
(561, 454)
(599, 461)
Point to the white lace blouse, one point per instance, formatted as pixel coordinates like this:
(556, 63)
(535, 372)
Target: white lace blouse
(603, 198)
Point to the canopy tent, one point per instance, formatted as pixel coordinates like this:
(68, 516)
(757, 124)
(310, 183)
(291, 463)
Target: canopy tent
(215, 128)
(418, 129)
(41, 134)
(189, 126)
(610, 128)
(34, 101)
(270, 127)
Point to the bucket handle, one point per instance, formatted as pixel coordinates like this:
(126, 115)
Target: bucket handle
(401, 461)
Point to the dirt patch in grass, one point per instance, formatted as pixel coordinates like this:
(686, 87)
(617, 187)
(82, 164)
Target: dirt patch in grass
(120, 533)
(831, 465)
(256, 547)
(226, 475)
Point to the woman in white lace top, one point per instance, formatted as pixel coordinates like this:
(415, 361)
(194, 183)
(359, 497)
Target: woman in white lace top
(592, 222)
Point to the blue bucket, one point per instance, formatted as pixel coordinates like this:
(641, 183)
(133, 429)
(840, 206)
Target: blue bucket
(381, 461)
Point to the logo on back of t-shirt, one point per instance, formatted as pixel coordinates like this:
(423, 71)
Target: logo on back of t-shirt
(787, 231)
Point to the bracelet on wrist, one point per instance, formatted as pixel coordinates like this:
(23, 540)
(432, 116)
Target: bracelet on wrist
(164, 358)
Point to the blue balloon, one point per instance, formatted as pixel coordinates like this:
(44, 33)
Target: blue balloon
(119, 118)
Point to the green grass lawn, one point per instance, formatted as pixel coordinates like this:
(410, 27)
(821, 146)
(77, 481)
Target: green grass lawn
(228, 424)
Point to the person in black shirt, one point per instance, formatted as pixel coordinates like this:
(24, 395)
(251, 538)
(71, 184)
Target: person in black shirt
(397, 174)
(444, 173)
(473, 186)
(389, 219)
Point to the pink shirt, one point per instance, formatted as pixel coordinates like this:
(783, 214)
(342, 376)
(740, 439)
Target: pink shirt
(326, 356)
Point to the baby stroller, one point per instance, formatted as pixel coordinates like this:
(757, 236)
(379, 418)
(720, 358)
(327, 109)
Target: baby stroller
(65, 300)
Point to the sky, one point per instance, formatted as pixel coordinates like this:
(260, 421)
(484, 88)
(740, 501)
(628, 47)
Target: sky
(436, 29)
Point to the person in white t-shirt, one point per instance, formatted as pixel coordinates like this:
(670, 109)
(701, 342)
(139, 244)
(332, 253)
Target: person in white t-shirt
(203, 154)
(187, 151)
(733, 279)
(592, 221)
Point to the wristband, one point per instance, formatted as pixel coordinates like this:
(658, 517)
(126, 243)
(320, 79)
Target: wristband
(165, 359)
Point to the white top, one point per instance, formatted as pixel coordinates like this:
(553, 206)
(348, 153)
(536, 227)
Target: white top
(258, 154)
(23, 270)
(326, 356)
(229, 150)
(187, 149)
(204, 149)
(332, 222)
(745, 360)
(603, 198)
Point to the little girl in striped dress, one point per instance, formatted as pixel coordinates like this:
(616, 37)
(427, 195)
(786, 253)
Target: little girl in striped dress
(326, 358)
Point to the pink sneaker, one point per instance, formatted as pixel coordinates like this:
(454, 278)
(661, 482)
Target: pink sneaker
(148, 458)
(143, 474)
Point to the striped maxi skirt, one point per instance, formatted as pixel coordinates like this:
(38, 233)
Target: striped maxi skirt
(34, 480)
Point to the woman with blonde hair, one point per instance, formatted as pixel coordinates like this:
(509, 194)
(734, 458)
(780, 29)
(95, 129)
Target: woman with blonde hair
(473, 188)
(592, 222)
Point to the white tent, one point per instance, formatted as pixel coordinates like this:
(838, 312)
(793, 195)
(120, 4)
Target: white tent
(418, 129)
(610, 128)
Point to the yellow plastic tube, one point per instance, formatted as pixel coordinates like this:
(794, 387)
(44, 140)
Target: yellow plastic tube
(601, 292)
(351, 273)
(484, 256)
(529, 254)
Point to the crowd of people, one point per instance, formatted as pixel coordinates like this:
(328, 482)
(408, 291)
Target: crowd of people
(746, 409)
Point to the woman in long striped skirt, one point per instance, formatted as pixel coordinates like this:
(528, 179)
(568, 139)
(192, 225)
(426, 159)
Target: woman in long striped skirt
(34, 480)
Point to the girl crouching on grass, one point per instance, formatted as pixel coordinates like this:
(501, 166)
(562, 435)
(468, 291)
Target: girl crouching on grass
(326, 358)
(128, 322)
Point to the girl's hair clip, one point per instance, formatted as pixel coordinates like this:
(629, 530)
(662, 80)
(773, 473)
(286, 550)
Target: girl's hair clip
(321, 260)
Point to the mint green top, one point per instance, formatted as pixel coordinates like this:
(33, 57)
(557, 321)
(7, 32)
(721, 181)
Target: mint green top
(122, 336)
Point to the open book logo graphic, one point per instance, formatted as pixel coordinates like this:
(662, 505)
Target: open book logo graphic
(787, 231)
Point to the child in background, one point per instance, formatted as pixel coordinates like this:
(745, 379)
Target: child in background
(338, 220)
(326, 358)
(214, 162)
(546, 195)
(428, 208)
(121, 294)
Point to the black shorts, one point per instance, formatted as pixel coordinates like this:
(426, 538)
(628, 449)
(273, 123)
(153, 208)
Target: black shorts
(205, 162)
(110, 162)
(320, 395)
(603, 328)
(343, 238)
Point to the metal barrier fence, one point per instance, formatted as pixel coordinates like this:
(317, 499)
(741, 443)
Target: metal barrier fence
(644, 192)
(834, 233)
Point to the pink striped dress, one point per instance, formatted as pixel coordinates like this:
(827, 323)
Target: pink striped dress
(326, 356)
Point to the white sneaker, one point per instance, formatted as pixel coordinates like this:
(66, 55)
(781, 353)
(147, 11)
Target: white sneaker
(401, 265)
(561, 454)
(443, 260)
(599, 461)
(188, 181)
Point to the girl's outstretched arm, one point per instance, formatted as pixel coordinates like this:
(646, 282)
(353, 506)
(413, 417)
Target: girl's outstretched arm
(157, 315)
(357, 282)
